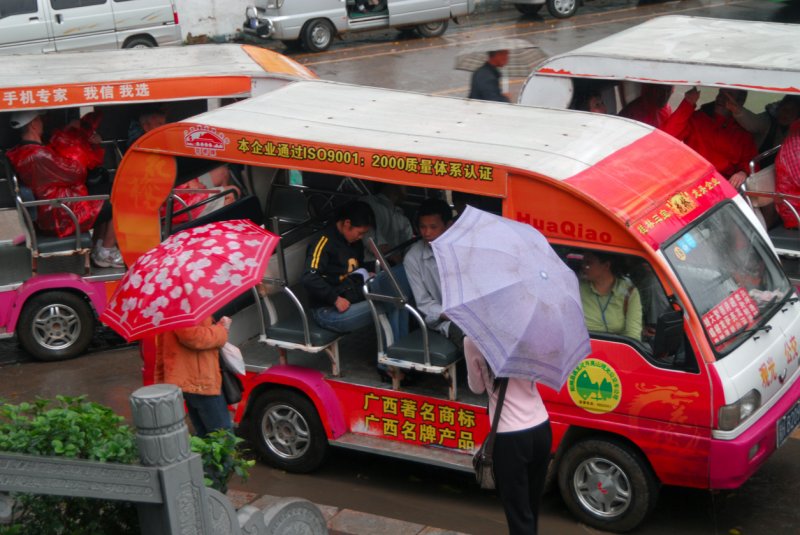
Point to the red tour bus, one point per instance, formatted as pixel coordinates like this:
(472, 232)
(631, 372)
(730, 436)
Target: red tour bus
(701, 399)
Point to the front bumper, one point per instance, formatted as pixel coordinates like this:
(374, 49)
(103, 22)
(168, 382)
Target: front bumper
(732, 462)
(259, 26)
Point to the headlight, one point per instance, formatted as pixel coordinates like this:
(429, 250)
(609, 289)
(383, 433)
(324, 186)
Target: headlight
(250, 12)
(730, 416)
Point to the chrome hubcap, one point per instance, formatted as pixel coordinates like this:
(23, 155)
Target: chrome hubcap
(56, 327)
(564, 6)
(602, 487)
(285, 432)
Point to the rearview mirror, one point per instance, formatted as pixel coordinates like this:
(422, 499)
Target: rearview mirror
(669, 334)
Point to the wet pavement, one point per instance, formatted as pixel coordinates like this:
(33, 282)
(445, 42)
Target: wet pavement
(429, 496)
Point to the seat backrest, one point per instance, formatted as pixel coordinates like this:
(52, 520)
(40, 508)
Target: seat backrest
(7, 193)
(763, 180)
(247, 207)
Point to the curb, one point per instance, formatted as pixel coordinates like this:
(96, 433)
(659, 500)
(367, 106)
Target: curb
(344, 521)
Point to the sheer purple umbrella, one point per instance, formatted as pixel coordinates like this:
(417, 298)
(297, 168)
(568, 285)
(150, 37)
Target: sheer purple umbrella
(506, 288)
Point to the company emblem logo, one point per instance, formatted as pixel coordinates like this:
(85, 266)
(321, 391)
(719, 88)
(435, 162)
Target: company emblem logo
(205, 141)
(681, 204)
(595, 386)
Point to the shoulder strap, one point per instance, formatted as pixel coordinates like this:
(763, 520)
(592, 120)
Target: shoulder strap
(501, 396)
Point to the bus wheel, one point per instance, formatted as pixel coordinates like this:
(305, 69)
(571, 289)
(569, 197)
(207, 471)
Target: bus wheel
(562, 9)
(287, 431)
(140, 42)
(433, 29)
(55, 326)
(317, 35)
(528, 9)
(607, 484)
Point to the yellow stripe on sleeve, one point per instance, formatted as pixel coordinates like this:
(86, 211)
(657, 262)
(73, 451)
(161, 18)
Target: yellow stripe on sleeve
(318, 252)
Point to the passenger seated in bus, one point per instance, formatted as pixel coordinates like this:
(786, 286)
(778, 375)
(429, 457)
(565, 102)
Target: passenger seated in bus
(770, 127)
(392, 227)
(714, 133)
(651, 107)
(433, 218)
(611, 303)
(218, 179)
(787, 174)
(592, 101)
(49, 175)
(334, 273)
(148, 118)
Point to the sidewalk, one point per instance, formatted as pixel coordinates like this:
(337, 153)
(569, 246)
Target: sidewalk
(346, 521)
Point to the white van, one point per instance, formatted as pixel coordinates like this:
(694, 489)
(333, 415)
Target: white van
(33, 26)
(314, 23)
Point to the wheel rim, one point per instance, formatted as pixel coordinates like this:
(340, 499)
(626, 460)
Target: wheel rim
(602, 487)
(564, 7)
(56, 327)
(320, 36)
(285, 431)
(433, 27)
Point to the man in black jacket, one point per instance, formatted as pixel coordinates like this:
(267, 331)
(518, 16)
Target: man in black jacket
(486, 80)
(334, 274)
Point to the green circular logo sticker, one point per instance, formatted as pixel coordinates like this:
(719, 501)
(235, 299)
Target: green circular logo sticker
(594, 386)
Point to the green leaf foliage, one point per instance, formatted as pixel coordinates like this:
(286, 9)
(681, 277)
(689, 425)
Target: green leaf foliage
(221, 458)
(76, 428)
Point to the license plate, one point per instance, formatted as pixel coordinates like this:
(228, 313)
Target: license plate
(788, 423)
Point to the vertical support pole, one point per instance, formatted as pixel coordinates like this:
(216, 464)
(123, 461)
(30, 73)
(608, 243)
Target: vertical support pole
(163, 441)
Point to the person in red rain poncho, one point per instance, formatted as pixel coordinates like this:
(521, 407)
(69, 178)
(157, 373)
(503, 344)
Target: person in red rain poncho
(714, 133)
(651, 107)
(787, 174)
(50, 175)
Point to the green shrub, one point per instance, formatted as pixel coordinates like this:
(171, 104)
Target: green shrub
(75, 428)
(221, 458)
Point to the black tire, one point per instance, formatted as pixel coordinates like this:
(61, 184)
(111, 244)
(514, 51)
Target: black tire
(433, 29)
(607, 485)
(287, 431)
(140, 42)
(55, 326)
(317, 35)
(562, 9)
(528, 9)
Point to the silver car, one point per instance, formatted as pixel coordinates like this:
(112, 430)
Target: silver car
(314, 23)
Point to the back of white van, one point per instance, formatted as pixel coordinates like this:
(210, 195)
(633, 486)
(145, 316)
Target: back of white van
(146, 23)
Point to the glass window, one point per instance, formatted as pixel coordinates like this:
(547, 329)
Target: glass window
(69, 4)
(17, 7)
(731, 276)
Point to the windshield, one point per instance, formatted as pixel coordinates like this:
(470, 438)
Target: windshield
(731, 276)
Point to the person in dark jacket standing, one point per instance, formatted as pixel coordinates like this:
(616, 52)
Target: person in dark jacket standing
(333, 274)
(486, 80)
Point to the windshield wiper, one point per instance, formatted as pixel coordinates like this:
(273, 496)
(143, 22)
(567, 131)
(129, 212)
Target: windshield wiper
(742, 330)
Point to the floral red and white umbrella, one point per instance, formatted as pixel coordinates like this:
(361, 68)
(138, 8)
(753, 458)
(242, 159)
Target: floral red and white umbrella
(188, 277)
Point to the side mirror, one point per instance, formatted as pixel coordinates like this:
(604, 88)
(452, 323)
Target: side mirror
(669, 334)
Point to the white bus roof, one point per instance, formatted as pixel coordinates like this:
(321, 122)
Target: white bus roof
(681, 50)
(553, 143)
(180, 72)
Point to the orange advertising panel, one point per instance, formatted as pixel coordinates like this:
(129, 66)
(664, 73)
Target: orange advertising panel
(425, 421)
(202, 141)
(558, 213)
(49, 96)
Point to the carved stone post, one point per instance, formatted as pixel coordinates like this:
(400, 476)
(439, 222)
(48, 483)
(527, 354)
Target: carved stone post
(163, 441)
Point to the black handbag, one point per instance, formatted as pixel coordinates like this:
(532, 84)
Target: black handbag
(482, 461)
(231, 385)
